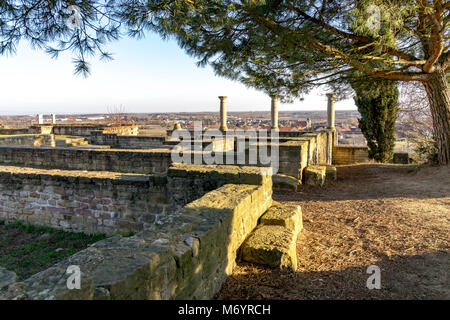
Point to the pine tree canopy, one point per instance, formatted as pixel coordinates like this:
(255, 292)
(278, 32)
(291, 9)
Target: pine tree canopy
(286, 47)
(279, 47)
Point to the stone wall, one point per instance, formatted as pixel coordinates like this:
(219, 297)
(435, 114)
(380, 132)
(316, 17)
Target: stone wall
(131, 161)
(189, 182)
(188, 255)
(216, 145)
(83, 130)
(124, 130)
(350, 154)
(34, 140)
(82, 201)
(298, 152)
(294, 155)
(14, 131)
(41, 129)
(129, 142)
(148, 142)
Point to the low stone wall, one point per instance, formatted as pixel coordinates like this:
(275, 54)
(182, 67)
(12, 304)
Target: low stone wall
(294, 155)
(350, 154)
(83, 130)
(130, 142)
(299, 152)
(125, 130)
(148, 142)
(81, 201)
(34, 140)
(189, 182)
(216, 145)
(41, 129)
(9, 131)
(188, 255)
(75, 130)
(131, 161)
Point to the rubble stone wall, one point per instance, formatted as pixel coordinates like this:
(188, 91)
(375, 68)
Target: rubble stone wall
(187, 255)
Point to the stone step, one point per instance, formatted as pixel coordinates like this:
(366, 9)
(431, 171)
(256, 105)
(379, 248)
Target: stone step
(274, 246)
(315, 175)
(274, 241)
(288, 216)
(284, 182)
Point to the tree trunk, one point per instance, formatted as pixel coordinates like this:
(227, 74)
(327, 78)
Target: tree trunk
(438, 94)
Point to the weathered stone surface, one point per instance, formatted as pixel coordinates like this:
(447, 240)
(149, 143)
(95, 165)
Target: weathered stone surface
(284, 215)
(187, 183)
(344, 154)
(284, 182)
(186, 254)
(6, 278)
(331, 173)
(35, 140)
(315, 175)
(401, 158)
(82, 201)
(271, 245)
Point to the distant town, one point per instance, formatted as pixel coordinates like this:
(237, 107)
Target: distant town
(157, 123)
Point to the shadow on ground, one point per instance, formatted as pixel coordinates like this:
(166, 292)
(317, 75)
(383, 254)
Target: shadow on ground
(396, 217)
(425, 277)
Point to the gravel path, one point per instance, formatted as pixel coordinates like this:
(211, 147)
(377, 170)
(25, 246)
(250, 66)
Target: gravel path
(396, 217)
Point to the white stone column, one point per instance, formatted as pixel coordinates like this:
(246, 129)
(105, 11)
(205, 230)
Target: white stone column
(53, 118)
(274, 112)
(223, 113)
(330, 110)
(40, 119)
(331, 116)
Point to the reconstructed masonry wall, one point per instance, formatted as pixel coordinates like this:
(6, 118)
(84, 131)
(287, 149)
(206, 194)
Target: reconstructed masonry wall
(35, 140)
(83, 130)
(81, 201)
(187, 255)
(294, 155)
(350, 154)
(131, 142)
(130, 161)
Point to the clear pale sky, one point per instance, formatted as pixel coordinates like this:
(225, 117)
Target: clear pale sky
(147, 75)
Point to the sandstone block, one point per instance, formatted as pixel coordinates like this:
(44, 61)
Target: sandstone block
(284, 215)
(271, 245)
(331, 173)
(284, 182)
(401, 158)
(315, 175)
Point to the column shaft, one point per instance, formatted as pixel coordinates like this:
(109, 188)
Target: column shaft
(274, 112)
(330, 110)
(223, 113)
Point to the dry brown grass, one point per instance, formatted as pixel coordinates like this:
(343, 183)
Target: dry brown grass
(396, 217)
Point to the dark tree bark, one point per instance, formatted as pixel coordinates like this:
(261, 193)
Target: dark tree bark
(439, 97)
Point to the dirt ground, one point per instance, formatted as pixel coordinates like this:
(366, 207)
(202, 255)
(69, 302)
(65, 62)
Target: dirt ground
(396, 217)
